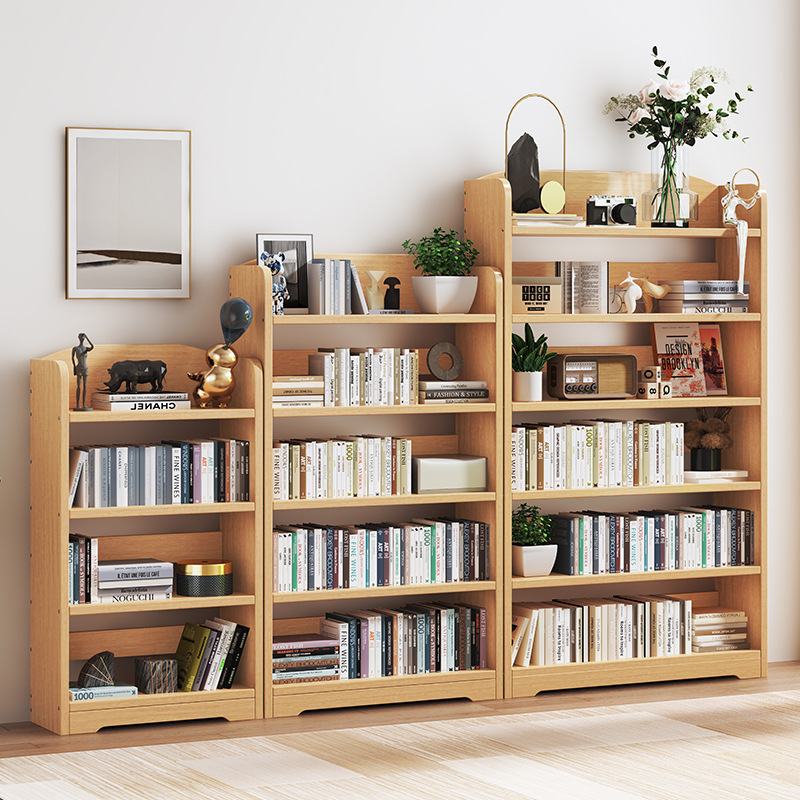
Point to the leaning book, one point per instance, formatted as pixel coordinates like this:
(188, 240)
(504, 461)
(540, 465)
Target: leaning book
(677, 350)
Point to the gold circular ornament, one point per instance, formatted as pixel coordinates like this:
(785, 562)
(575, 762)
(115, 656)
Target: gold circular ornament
(754, 174)
(552, 197)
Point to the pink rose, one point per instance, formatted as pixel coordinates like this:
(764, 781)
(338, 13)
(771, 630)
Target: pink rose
(637, 115)
(674, 90)
(646, 91)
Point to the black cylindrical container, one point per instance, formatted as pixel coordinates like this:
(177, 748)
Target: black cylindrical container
(198, 577)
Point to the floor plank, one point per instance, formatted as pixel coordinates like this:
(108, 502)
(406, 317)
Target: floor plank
(21, 739)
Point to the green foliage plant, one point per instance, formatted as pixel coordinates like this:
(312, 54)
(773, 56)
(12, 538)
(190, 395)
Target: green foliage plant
(529, 354)
(442, 253)
(529, 527)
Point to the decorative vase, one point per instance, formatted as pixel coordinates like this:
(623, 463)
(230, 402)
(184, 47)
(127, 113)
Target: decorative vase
(445, 294)
(705, 459)
(670, 203)
(526, 387)
(531, 560)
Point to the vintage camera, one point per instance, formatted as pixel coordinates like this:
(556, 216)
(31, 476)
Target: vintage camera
(610, 210)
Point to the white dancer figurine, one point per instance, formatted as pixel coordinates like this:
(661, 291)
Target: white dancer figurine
(729, 205)
(632, 293)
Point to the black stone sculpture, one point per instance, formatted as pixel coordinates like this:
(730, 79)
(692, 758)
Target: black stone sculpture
(523, 174)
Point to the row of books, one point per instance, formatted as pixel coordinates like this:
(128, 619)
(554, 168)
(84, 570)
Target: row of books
(704, 297)
(122, 581)
(423, 551)
(209, 655)
(348, 466)
(169, 472)
(584, 454)
(591, 543)
(600, 629)
(363, 376)
(331, 286)
(418, 638)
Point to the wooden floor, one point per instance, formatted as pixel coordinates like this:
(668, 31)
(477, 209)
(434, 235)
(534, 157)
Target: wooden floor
(21, 739)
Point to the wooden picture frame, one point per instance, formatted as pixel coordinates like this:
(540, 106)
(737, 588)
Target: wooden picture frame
(128, 213)
(299, 251)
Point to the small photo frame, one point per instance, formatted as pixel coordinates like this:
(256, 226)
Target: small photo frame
(299, 251)
(713, 364)
(128, 213)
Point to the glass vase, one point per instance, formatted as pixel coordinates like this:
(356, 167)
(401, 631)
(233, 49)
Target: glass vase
(670, 203)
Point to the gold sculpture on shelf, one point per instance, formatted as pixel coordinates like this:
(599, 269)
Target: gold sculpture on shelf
(216, 384)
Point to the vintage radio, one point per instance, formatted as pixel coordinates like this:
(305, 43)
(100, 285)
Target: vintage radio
(584, 376)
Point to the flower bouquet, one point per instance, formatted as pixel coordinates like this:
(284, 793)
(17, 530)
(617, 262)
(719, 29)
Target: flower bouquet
(673, 113)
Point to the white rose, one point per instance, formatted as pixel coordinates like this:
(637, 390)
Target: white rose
(637, 116)
(674, 90)
(646, 91)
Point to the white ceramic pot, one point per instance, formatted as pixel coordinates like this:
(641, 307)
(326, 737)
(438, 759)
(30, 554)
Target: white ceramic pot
(445, 294)
(526, 387)
(533, 560)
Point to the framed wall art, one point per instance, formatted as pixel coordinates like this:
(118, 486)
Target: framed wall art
(299, 251)
(128, 213)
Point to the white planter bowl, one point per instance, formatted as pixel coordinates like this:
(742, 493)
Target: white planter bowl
(526, 387)
(533, 560)
(445, 294)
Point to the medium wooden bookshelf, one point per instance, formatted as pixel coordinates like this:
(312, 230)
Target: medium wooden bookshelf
(282, 344)
(489, 223)
(63, 636)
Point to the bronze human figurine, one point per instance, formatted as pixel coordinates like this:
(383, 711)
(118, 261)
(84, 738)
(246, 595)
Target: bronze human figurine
(80, 369)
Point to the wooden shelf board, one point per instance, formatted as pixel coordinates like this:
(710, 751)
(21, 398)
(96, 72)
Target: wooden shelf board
(179, 509)
(385, 500)
(166, 699)
(379, 592)
(394, 682)
(626, 491)
(383, 319)
(84, 609)
(360, 411)
(528, 681)
(555, 579)
(633, 404)
(634, 318)
(623, 232)
(191, 414)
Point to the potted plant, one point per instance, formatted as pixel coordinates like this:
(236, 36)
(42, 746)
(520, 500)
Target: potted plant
(528, 358)
(706, 437)
(532, 551)
(445, 260)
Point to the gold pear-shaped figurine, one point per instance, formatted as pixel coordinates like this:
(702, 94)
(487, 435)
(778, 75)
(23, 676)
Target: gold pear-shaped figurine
(215, 385)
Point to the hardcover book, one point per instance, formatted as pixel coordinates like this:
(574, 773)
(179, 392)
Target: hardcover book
(713, 365)
(677, 350)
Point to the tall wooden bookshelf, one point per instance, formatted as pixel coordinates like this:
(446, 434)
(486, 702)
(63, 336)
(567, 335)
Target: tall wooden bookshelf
(282, 344)
(63, 636)
(490, 224)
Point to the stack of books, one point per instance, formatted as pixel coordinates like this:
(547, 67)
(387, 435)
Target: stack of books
(132, 580)
(140, 401)
(704, 297)
(208, 655)
(298, 391)
(716, 629)
(435, 392)
(305, 657)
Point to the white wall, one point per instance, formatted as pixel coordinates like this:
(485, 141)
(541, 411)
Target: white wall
(356, 121)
